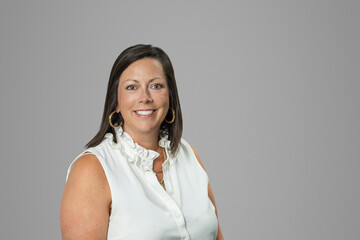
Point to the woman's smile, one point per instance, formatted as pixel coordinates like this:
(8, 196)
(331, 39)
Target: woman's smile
(145, 113)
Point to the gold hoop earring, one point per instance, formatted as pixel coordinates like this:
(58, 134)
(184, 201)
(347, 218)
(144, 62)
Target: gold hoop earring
(173, 117)
(110, 122)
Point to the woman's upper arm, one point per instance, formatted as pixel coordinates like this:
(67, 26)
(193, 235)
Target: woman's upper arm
(85, 205)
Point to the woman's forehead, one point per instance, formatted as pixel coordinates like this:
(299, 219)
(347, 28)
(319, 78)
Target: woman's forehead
(147, 68)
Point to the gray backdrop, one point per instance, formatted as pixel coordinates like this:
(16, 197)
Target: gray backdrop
(269, 92)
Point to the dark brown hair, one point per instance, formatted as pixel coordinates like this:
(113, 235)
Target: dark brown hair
(128, 56)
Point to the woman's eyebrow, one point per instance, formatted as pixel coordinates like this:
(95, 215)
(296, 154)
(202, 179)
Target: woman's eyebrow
(134, 80)
(153, 79)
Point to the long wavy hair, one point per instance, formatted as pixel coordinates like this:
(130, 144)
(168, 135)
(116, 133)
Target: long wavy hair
(128, 56)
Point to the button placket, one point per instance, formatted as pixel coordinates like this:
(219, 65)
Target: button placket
(171, 205)
(178, 217)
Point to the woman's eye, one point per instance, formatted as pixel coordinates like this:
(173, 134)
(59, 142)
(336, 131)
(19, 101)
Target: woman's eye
(157, 86)
(130, 87)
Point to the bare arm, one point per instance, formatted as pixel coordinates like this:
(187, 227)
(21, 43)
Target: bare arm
(212, 198)
(85, 206)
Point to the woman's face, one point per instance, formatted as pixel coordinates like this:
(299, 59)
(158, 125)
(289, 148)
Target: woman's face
(143, 97)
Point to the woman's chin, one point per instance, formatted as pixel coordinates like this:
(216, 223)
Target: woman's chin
(143, 128)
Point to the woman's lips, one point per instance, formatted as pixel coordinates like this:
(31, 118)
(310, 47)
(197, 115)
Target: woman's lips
(144, 113)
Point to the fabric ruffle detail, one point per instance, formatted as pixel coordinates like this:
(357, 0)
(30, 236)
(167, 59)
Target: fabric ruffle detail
(136, 154)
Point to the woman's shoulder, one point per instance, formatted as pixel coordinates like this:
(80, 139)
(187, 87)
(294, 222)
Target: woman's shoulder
(104, 148)
(186, 146)
(184, 143)
(87, 167)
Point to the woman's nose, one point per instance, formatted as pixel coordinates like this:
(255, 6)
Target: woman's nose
(145, 96)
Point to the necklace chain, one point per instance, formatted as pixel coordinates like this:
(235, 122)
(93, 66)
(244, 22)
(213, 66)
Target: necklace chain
(162, 180)
(163, 154)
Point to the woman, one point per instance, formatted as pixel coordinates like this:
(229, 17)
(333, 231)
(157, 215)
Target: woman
(139, 179)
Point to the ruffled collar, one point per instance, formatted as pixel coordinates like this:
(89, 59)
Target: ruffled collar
(136, 154)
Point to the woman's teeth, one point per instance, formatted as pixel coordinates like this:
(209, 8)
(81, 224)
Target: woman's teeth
(144, 112)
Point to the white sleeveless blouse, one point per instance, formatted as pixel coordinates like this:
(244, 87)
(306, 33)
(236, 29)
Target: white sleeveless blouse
(141, 208)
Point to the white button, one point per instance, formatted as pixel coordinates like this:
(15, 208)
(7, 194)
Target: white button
(177, 215)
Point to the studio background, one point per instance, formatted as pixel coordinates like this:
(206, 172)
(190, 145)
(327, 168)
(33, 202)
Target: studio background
(269, 93)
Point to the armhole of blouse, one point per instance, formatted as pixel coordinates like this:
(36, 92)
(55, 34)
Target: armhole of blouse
(197, 160)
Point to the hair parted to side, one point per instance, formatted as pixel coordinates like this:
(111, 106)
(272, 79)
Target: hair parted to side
(128, 56)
